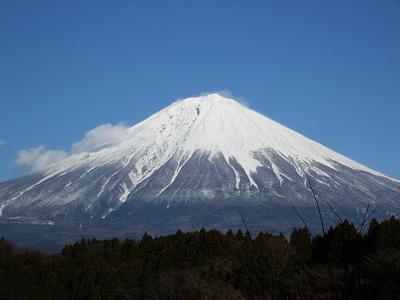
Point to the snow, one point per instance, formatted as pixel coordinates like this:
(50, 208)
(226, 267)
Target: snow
(210, 123)
(177, 170)
(125, 193)
(219, 125)
(108, 212)
(68, 184)
(1, 209)
(237, 176)
(103, 187)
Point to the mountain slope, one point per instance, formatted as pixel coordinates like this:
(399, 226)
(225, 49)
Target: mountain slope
(196, 163)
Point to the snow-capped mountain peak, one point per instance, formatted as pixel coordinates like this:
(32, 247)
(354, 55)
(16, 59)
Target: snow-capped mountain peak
(208, 149)
(220, 125)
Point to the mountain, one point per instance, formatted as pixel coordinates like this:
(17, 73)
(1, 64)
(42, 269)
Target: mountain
(201, 161)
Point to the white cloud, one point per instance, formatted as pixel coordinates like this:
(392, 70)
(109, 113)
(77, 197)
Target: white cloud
(2, 142)
(35, 159)
(100, 137)
(39, 158)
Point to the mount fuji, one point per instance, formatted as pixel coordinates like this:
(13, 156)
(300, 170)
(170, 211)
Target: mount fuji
(201, 161)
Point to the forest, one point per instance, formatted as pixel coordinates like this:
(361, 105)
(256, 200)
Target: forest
(347, 262)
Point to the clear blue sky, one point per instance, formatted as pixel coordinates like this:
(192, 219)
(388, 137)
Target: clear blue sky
(328, 69)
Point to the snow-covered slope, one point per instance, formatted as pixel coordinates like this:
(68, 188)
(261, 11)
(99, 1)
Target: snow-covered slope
(206, 149)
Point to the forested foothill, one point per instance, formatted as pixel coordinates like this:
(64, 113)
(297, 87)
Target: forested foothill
(347, 262)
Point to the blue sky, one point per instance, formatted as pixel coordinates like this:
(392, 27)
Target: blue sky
(328, 69)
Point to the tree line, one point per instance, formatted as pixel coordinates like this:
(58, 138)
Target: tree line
(343, 263)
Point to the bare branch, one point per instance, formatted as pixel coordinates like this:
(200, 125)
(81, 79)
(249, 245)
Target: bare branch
(367, 217)
(305, 224)
(245, 225)
(360, 228)
(334, 211)
(316, 201)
